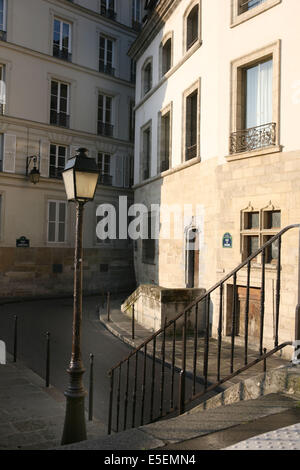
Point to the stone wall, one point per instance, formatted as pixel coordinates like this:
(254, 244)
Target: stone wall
(153, 305)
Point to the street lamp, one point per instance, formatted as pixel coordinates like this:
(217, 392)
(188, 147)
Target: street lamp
(80, 178)
(34, 174)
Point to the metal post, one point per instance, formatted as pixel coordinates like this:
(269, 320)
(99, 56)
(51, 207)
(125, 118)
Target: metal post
(297, 315)
(91, 387)
(265, 360)
(181, 391)
(15, 337)
(132, 324)
(74, 426)
(108, 306)
(47, 359)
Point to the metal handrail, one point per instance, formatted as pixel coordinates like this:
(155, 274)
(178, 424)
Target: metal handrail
(195, 304)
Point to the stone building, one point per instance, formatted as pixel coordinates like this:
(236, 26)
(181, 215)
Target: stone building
(217, 104)
(66, 82)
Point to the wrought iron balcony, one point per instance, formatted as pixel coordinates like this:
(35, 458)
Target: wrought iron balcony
(55, 172)
(106, 129)
(108, 13)
(191, 152)
(61, 54)
(254, 138)
(59, 119)
(2, 35)
(2, 109)
(105, 179)
(105, 68)
(136, 25)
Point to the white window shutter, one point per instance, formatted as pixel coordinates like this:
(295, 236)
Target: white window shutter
(44, 158)
(9, 153)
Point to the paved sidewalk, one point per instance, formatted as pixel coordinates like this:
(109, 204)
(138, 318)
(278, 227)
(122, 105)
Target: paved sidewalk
(31, 415)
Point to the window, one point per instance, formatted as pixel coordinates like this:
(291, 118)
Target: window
(131, 121)
(104, 164)
(105, 126)
(256, 102)
(57, 211)
(166, 56)
(148, 244)
(259, 226)
(59, 107)
(62, 40)
(136, 14)
(3, 20)
(243, 10)
(165, 140)
(133, 71)
(147, 77)
(245, 5)
(192, 27)
(106, 55)
(146, 153)
(2, 89)
(191, 125)
(257, 129)
(58, 157)
(107, 8)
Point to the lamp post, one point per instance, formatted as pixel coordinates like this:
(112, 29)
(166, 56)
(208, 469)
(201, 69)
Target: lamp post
(80, 178)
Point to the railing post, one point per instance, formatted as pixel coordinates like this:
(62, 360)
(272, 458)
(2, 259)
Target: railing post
(91, 387)
(111, 392)
(297, 314)
(132, 324)
(265, 360)
(47, 359)
(181, 391)
(15, 337)
(108, 306)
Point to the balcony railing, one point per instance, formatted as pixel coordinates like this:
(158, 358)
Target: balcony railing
(105, 179)
(62, 54)
(253, 138)
(106, 129)
(59, 119)
(108, 13)
(106, 68)
(2, 109)
(2, 35)
(136, 25)
(55, 172)
(191, 152)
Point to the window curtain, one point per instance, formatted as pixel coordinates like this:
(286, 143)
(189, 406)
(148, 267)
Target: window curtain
(259, 94)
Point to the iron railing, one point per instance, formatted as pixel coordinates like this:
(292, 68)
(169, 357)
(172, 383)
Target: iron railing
(107, 69)
(155, 379)
(191, 152)
(59, 119)
(105, 128)
(62, 53)
(253, 138)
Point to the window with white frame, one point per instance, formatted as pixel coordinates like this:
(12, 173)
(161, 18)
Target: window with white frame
(57, 221)
(165, 140)
(166, 56)
(62, 44)
(191, 125)
(106, 55)
(243, 10)
(105, 126)
(57, 160)
(104, 167)
(2, 89)
(245, 5)
(59, 105)
(3, 6)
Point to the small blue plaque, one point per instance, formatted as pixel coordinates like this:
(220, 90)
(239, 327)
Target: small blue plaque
(227, 240)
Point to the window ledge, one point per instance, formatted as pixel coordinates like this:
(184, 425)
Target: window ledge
(254, 153)
(266, 5)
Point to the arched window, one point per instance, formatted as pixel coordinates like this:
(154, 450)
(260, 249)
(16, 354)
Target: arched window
(192, 27)
(147, 77)
(166, 56)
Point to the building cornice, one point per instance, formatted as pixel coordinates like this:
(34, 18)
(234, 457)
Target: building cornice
(91, 13)
(67, 64)
(152, 27)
